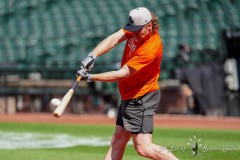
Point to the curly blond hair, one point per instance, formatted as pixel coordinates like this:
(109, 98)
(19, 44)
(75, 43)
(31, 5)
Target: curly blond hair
(155, 23)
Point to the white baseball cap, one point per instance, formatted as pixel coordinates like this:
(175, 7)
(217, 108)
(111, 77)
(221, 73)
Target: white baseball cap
(138, 17)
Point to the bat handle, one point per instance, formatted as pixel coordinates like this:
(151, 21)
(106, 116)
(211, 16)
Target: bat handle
(76, 82)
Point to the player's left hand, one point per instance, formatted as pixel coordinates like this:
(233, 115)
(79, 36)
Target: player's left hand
(84, 75)
(88, 62)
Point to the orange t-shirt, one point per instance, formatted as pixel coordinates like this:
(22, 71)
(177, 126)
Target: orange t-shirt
(145, 58)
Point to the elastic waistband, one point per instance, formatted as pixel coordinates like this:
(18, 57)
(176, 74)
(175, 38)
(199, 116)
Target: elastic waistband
(138, 98)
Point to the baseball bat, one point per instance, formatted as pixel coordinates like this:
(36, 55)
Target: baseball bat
(64, 102)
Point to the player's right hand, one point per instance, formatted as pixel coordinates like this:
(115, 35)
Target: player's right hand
(88, 62)
(84, 74)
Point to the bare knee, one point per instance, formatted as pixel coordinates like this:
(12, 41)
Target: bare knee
(142, 149)
(119, 139)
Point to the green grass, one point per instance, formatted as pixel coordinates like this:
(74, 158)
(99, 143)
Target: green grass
(171, 138)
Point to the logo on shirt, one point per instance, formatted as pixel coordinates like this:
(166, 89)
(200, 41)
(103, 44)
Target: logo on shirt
(132, 46)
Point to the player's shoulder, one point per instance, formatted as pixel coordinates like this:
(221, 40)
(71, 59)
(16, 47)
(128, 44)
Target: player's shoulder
(153, 46)
(154, 41)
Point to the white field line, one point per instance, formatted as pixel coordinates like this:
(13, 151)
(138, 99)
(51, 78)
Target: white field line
(30, 140)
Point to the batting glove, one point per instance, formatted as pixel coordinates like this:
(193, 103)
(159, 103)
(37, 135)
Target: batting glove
(84, 75)
(88, 62)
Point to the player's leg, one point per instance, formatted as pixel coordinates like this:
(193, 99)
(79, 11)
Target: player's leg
(119, 141)
(142, 139)
(144, 147)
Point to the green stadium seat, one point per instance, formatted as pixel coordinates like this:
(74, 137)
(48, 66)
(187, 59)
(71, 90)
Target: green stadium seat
(59, 24)
(81, 15)
(33, 3)
(182, 28)
(169, 10)
(12, 27)
(120, 15)
(236, 4)
(23, 28)
(36, 29)
(10, 50)
(129, 5)
(22, 4)
(195, 24)
(7, 7)
(164, 75)
(125, 5)
(40, 29)
(180, 5)
(208, 27)
(20, 48)
(2, 9)
(1, 29)
(3, 55)
(217, 15)
(69, 18)
(191, 4)
(231, 15)
(172, 26)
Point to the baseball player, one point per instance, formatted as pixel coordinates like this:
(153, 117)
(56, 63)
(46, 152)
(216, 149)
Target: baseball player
(138, 84)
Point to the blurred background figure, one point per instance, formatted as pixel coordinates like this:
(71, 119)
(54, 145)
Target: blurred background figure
(184, 54)
(187, 93)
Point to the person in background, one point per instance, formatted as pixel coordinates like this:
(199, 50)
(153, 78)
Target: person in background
(184, 55)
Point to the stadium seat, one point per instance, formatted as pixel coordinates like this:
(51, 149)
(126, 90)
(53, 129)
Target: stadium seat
(35, 25)
(182, 28)
(35, 29)
(231, 16)
(180, 5)
(10, 50)
(59, 25)
(194, 20)
(191, 4)
(169, 10)
(208, 27)
(218, 15)
(236, 4)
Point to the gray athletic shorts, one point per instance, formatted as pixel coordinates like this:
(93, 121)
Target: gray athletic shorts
(136, 115)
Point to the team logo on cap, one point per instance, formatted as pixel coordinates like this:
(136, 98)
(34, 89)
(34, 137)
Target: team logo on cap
(130, 20)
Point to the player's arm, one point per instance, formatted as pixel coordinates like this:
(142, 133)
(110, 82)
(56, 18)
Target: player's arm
(111, 76)
(103, 47)
(108, 43)
(114, 76)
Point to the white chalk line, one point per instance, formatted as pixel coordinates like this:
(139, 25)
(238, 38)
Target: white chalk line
(30, 140)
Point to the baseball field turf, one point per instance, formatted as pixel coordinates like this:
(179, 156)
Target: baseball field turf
(29, 141)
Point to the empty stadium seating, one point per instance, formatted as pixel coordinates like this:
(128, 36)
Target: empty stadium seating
(59, 33)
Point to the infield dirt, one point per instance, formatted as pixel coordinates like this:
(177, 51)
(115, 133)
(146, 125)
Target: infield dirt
(160, 120)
